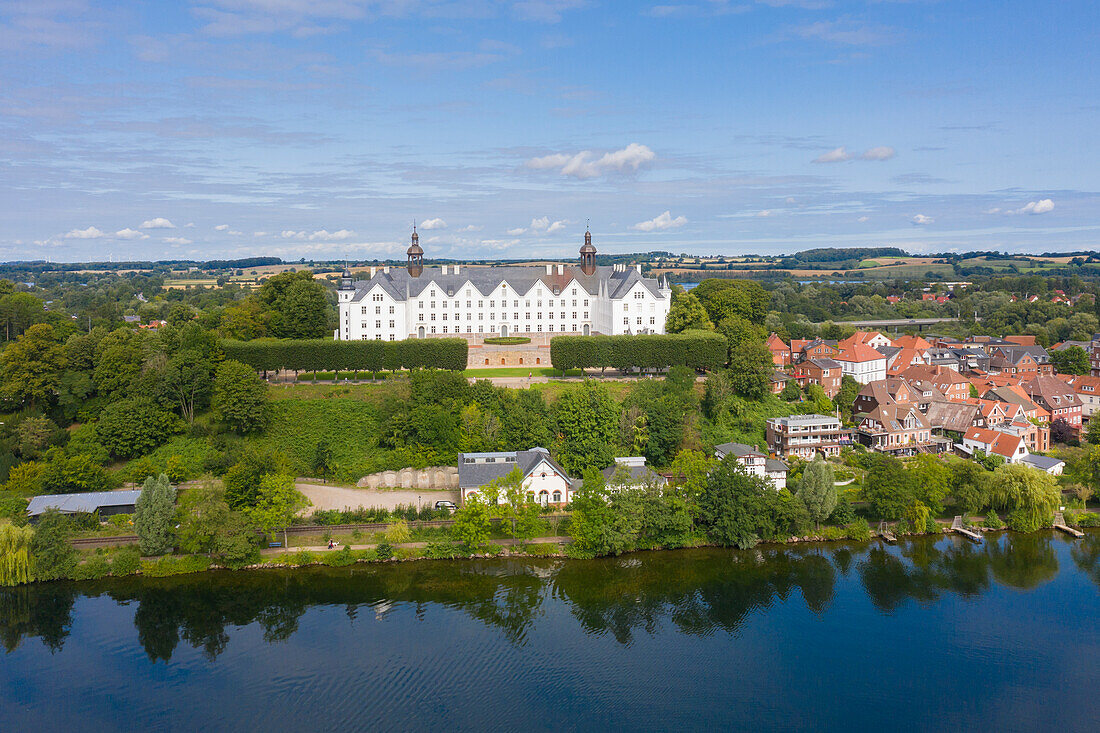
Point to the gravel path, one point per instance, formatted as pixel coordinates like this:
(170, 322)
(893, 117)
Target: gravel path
(342, 497)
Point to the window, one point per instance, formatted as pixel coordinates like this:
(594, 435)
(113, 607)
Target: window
(377, 297)
(433, 305)
(433, 316)
(574, 302)
(378, 324)
(391, 324)
(574, 315)
(363, 324)
(391, 310)
(626, 321)
(420, 317)
(586, 315)
(444, 316)
(364, 310)
(526, 316)
(626, 307)
(481, 304)
(653, 322)
(528, 329)
(574, 291)
(526, 304)
(377, 310)
(391, 337)
(638, 295)
(444, 329)
(433, 329)
(378, 337)
(515, 316)
(468, 302)
(515, 304)
(586, 302)
(492, 304)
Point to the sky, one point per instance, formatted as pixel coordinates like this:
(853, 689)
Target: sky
(322, 129)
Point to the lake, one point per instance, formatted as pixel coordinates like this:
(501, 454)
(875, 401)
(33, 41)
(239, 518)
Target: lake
(930, 634)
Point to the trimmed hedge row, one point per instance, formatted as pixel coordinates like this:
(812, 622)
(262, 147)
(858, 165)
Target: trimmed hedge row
(321, 355)
(696, 349)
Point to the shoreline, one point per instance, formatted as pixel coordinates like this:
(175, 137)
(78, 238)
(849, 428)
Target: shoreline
(318, 555)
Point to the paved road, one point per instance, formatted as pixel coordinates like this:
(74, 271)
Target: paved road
(341, 497)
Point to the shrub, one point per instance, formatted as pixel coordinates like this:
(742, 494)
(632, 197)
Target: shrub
(168, 565)
(443, 551)
(408, 553)
(542, 549)
(507, 340)
(833, 533)
(384, 551)
(135, 426)
(992, 521)
(1088, 519)
(121, 521)
(95, 567)
(931, 526)
(301, 557)
(339, 559)
(696, 349)
(493, 549)
(398, 532)
(126, 561)
(369, 356)
(858, 530)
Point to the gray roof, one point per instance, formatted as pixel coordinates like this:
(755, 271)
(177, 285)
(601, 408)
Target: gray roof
(74, 503)
(774, 465)
(824, 362)
(737, 449)
(476, 475)
(1043, 463)
(638, 474)
(521, 278)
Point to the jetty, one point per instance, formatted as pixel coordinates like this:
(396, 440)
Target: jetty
(885, 533)
(957, 526)
(1060, 523)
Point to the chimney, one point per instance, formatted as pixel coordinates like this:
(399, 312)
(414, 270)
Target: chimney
(444, 269)
(386, 270)
(456, 269)
(549, 269)
(638, 267)
(561, 269)
(372, 270)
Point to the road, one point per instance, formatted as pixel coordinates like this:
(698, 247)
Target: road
(327, 496)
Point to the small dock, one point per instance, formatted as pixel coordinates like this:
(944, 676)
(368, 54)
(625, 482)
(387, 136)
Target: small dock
(885, 533)
(957, 526)
(1060, 523)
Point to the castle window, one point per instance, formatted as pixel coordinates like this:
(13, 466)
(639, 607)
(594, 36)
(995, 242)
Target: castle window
(391, 310)
(377, 310)
(391, 337)
(574, 315)
(492, 304)
(378, 324)
(574, 302)
(391, 324)
(433, 316)
(444, 316)
(586, 302)
(574, 291)
(526, 316)
(586, 315)
(433, 304)
(364, 310)
(444, 329)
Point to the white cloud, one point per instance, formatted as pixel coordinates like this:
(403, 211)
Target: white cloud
(660, 223)
(221, 228)
(1041, 206)
(882, 152)
(584, 165)
(291, 234)
(556, 226)
(764, 213)
(128, 233)
(189, 225)
(541, 223)
(836, 155)
(863, 219)
(259, 234)
(158, 223)
(89, 233)
(516, 232)
(323, 235)
(235, 233)
(790, 199)
(470, 228)
(176, 240)
(430, 224)
(994, 210)
(922, 219)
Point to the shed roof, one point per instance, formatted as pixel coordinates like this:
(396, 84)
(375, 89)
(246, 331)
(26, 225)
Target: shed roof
(77, 503)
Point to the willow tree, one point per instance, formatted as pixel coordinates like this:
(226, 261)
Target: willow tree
(1031, 496)
(817, 489)
(15, 555)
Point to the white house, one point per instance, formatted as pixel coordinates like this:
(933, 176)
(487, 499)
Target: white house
(862, 363)
(755, 462)
(414, 301)
(544, 480)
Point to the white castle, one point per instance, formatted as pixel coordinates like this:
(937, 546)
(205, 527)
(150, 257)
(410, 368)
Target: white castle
(418, 302)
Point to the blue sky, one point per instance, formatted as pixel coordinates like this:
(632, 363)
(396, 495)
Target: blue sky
(323, 128)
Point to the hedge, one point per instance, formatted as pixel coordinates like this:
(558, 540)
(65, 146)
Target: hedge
(696, 349)
(322, 355)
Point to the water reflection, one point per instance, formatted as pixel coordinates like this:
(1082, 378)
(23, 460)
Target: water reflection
(699, 592)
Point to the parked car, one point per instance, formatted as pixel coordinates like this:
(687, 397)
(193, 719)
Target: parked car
(448, 505)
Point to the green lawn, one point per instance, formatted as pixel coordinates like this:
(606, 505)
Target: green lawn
(517, 372)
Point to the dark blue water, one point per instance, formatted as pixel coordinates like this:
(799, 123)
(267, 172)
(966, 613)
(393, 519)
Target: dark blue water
(922, 636)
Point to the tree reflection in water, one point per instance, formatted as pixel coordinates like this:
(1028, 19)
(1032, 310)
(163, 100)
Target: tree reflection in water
(700, 592)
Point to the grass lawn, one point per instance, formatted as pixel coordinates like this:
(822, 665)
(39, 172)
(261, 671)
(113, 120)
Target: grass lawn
(517, 372)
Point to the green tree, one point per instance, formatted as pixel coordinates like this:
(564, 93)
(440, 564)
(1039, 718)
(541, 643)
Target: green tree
(750, 369)
(277, 502)
(15, 557)
(134, 426)
(690, 470)
(31, 367)
(33, 434)
(187, 377)
(817, 489)
(62, 474)
(202, 512)
(119, 361)
(155, 516)
(849, 390)
(969, 485)
(732, 505)
(1092, 433)
(791, 392)
(323, 460)
(686, 314)
(1071, 360)
(1030, 496)
(931, 479)
(586, 418)
(887, 486)
(240, 397)
(242, 480)
(472, 526)
(603, 522)
(52, 557)
(235, 542)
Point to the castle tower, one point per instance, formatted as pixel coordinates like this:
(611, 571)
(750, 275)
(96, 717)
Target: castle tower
(416, 255)
(588, 254)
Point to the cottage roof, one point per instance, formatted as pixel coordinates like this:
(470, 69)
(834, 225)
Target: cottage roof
(478, 473)
(79, 503)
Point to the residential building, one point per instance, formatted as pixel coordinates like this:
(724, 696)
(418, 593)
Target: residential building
(899, 429)
(804, 436)
(1006, 444)
(415, 301)
(1057, 397)
(824, 371)
(545, 481)
(874, 339)
(1025, 361)
(953, 385)
(862, 363)
(1088, 391)
(755, 462)
(780, 350)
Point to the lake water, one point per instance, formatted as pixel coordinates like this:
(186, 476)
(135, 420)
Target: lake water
(926, 635)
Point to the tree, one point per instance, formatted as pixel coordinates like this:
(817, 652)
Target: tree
(235, 542)
(732, 505)
(1030, 495)
(686, 314)
(846, 397)
(750, 369)
(1092, 434)
(155, 516)
(134, 426)
(62, 474)
(242, 480)
(202, 512)
(31, 367)
(33, 434)
(277, 502)
(931, 479)
(791, 392)
(969, 485)
(471, 523)
(817, 489)
(887, 486)
(323, 460)
(1062, 432)
(1071, 360)
(586, 418)
(603, 522)
(240, 397)
(187, 377)
(52, 556)
(690, 470)
(15, 558)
